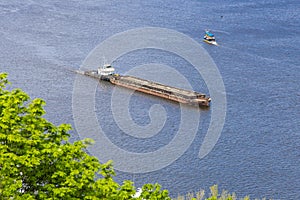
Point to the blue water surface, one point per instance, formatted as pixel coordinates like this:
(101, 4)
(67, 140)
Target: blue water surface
(258, 153)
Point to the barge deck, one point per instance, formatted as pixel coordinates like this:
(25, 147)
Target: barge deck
(154, 88)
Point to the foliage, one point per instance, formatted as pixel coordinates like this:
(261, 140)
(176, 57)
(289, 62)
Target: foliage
(153, 192)
(38, 162)
(214, 195)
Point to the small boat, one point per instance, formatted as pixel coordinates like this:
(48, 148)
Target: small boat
(209, 38)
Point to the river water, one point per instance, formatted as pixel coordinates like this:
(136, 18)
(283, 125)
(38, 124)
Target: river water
(258, 151)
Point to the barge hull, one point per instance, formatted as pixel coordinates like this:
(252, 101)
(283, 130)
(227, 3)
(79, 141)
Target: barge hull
(155, 89)
(160, 90)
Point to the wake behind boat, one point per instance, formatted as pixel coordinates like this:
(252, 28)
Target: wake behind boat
(209, 38)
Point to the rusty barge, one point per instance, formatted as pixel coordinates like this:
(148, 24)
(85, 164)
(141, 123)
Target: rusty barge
(106, 73)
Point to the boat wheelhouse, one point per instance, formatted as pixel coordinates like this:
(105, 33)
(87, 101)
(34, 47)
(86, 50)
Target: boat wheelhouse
(106, 70)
